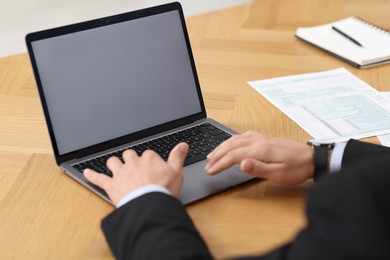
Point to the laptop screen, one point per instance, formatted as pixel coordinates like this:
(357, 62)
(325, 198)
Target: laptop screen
(110, 81)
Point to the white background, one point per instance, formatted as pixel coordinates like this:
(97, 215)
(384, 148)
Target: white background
(19, 17)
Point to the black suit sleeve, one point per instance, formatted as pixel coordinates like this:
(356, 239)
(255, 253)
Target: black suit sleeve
(356, 151)
(348, 214)
(348, 218)
(153, 226)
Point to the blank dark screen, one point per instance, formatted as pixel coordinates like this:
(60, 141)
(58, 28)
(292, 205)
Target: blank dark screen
(111, 81)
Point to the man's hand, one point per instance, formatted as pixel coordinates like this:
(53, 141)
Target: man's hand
(280, 160)
(137, 171)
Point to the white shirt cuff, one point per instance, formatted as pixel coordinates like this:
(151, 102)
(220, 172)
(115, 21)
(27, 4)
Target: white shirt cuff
(336, 157)
(141, 191)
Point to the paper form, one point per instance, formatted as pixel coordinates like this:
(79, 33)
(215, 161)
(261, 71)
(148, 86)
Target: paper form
(332, 105)
(385, 139)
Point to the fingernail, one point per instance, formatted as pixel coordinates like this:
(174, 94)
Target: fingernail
(209, 155)
(248, 166)
(88, 172)
(209, 170)
(183, 147)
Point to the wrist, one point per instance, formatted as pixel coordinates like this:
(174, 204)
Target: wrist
(140, 192)
(311, 160)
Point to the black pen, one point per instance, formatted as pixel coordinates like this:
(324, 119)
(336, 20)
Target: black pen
(347, 36)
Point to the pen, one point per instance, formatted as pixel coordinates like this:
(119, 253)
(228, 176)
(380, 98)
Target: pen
(347, 36)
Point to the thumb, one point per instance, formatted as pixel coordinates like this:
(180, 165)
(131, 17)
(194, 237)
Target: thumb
(177, 156)
(100, 180)
(255, 168)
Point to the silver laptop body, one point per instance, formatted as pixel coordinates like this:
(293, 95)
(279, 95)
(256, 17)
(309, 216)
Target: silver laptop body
(113, 83)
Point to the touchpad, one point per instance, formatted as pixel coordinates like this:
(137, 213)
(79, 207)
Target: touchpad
(198, 184)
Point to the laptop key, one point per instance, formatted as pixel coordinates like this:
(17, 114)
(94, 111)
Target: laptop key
(216, 132)
(194, 159)
(222, 137)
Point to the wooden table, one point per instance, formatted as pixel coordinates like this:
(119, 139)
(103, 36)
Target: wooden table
(46, 215)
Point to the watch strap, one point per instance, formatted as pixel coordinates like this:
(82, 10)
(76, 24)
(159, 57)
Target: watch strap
(320, 162)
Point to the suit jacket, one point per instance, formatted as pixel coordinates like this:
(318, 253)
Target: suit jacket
(348, 218)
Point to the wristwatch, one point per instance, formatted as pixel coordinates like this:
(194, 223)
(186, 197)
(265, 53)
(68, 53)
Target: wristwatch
(320, 158)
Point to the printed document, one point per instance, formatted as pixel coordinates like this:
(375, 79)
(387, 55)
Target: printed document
(332, 105)
(385, 139)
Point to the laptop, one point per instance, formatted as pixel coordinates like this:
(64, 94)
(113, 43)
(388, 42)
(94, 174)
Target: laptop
(126, 81)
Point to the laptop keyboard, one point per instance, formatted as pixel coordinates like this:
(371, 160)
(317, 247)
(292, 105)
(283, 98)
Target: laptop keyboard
(202, 139)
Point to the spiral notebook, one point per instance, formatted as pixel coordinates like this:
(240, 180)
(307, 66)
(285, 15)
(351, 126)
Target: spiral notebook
(353, 40)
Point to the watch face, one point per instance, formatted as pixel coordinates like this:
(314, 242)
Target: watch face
(320, 143)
